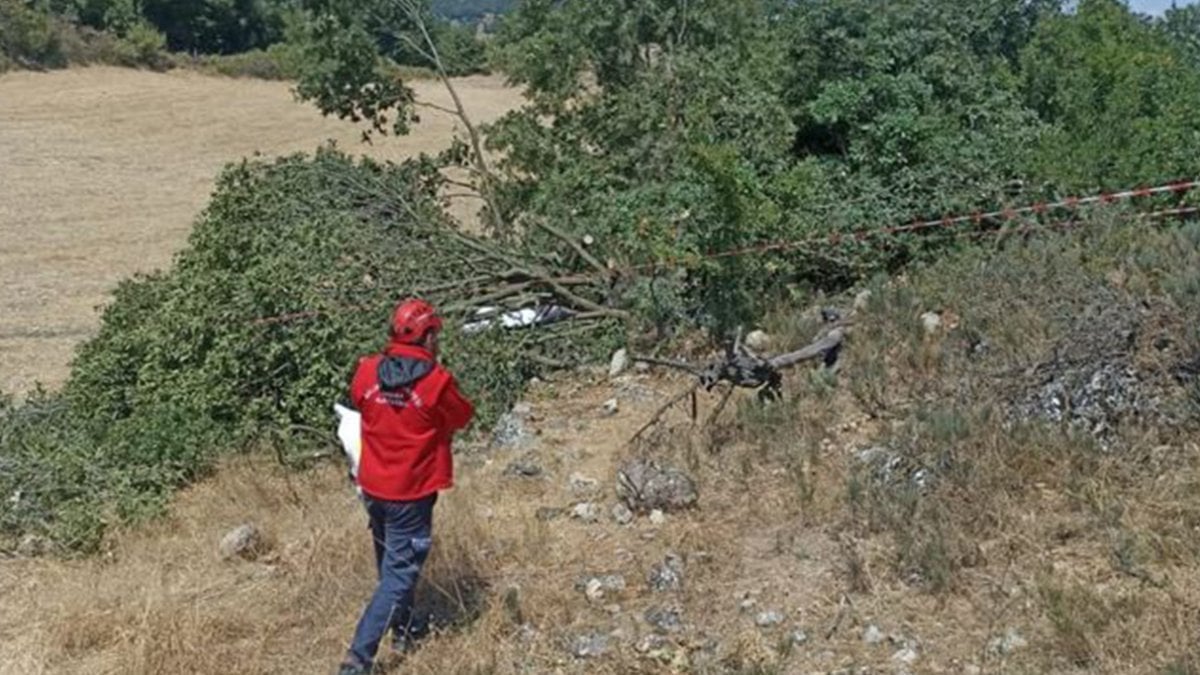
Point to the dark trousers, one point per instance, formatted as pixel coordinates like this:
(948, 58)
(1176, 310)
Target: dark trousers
(402, 534)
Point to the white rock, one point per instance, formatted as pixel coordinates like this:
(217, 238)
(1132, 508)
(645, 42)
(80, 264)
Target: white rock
(907, 656)
(758, 341)
(611, 406)
(768, 619)
(657, 517)
(621, 514)
(619, 363)
(594, 590)
(931, 321)
(872, 635)
(862, 300)
(586, 511)
(245, 541)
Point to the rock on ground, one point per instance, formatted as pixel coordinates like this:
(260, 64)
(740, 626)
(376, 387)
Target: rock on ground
(768, 619)
(645, 485)
(589, 645)
(664, 620)
(667, 575)
(872, 635)
(512, 429)
(621, 514)
(586, 511)
(619, 363)
(244, 541)
(758, 341)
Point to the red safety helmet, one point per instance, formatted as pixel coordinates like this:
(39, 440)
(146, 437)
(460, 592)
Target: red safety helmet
(412, 320)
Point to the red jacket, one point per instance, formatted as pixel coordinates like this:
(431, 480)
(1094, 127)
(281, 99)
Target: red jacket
(410, 408)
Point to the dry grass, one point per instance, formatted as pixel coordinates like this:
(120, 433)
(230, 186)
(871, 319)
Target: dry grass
(775, 522)
(105, 169)
(1089, 555)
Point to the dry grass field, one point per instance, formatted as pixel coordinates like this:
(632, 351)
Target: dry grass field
(102, 171)
(775, 532)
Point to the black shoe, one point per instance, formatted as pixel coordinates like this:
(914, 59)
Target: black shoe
(348, 668)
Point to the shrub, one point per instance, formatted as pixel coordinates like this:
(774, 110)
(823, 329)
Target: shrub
(184, 366)
(29, 37)
(143, 45)
(277, 62)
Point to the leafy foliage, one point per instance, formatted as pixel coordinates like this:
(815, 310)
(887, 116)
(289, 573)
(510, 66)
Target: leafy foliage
(185, 366)
(27, 35)
(685, 162)
(1120, 100)
(31, 37)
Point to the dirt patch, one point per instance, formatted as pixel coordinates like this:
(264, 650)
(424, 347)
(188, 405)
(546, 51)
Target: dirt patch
(105, 170)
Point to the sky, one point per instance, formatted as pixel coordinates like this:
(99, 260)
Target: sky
(1156, 7)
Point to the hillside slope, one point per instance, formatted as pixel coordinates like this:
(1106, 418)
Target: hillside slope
(907, 512)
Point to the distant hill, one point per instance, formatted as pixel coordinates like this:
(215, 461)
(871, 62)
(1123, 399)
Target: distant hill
(470, 10)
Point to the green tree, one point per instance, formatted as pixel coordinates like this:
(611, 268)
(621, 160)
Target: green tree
(1182, 27)
(1120, 99)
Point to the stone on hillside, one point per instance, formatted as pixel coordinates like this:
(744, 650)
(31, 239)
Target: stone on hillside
(586, 511)
(589, 645)
(594, 590)
(666, 576)
(664, 620)
(798, 637)
(768, 619)
(512, 429)
(650, 643)
(872, 635)
(645, 485)
(888, 468)
(582, 485)
(619, 363)
(621, 514)
(931, 322)
(758, 341)
(244, 541)
(611, 407)
(907, 656)
(862, 301)
(657, 517)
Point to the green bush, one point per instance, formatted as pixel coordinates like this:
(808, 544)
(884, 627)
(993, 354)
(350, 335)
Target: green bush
(29, 37)
(184, 367)
(142, 45)
(274, 63)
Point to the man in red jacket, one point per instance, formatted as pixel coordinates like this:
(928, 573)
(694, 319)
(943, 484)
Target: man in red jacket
(410, 408)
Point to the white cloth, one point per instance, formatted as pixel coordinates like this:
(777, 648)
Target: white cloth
(349, 432)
